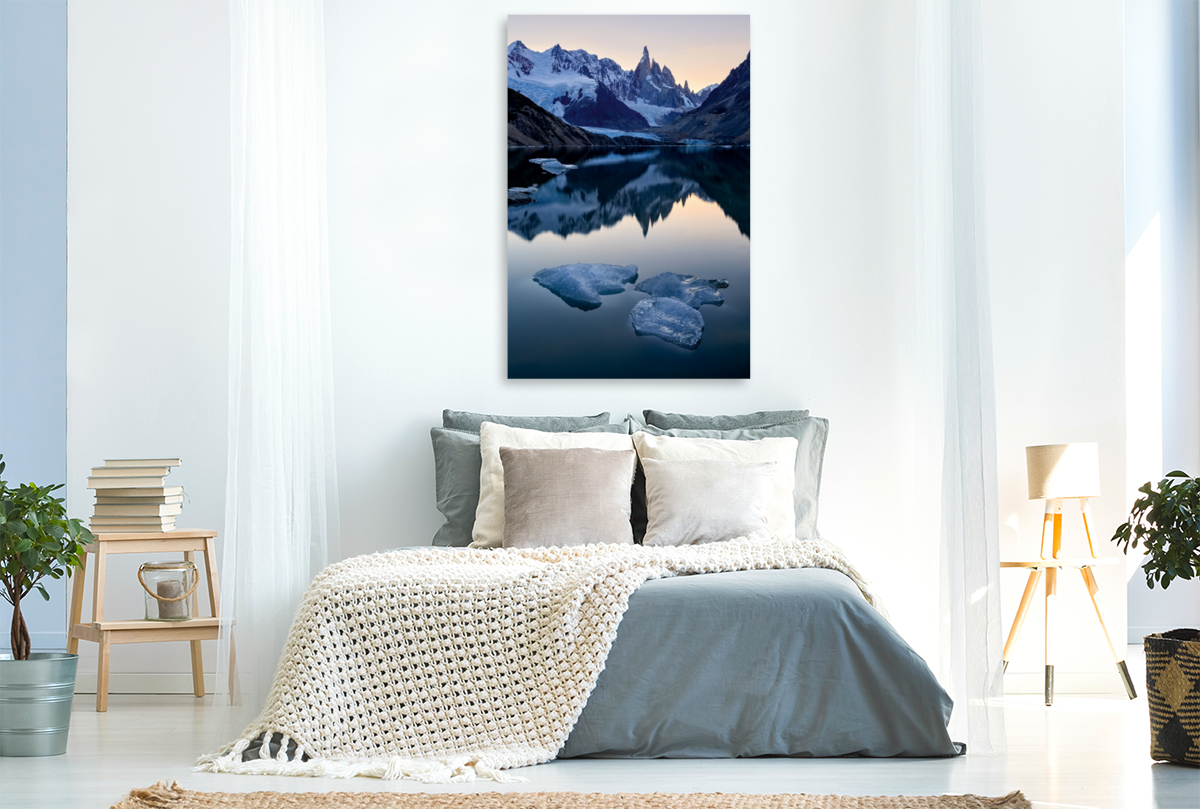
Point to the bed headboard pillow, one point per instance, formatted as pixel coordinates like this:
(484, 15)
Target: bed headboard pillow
(566, 497)
(455, 483)
(464, 420)
(685, 421)
(781, 519)
(810, 434)
(695, 501)
(456, 466)
(489, 514)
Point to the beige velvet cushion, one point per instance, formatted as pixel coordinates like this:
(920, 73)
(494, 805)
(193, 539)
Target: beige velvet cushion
(488, 531)
(566, 496)
(781, 516)
(689, 502)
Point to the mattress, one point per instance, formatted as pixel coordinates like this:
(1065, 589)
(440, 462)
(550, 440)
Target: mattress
(760, 663)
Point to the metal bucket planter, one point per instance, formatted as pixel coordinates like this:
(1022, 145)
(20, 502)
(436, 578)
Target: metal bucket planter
(35, 703)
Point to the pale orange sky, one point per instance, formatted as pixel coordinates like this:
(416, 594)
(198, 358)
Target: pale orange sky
(701, 48)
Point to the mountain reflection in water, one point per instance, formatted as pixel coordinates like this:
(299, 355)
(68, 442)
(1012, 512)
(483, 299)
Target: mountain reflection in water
(608, 185)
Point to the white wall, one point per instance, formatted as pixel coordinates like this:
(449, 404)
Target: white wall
(148, 247)
(417, 254)
(1053, 95)
(1162, 139)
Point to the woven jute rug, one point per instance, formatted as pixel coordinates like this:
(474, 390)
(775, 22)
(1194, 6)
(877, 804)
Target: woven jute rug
(162, 796)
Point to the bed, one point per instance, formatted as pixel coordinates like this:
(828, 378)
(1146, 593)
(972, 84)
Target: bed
(766, 645)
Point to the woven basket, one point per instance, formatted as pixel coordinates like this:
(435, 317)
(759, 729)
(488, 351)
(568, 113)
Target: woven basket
(1173, 692)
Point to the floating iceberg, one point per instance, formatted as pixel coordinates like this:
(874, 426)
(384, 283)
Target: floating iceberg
(521, 196)
(689, 289)
(581, 285)
(668, 319)
(552, 165)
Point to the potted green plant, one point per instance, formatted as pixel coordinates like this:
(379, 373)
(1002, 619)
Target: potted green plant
(1165, 521)
(36, 688)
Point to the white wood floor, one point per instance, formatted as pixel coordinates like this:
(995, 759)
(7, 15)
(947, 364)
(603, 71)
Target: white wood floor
(1083, 752)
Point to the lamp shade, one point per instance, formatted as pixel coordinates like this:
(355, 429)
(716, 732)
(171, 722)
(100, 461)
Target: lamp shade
(1063, 470)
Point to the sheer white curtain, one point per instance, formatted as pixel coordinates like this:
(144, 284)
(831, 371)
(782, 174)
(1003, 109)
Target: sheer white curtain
(281, 508)
(957, 426)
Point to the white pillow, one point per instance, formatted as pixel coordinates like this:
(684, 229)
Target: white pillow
(781, 517)
(489, 514)
(690, 502)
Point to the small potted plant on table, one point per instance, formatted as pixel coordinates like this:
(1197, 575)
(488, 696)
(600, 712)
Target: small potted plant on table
(36, 688)
(1166, 522)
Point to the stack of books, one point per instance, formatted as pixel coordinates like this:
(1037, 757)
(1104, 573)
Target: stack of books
(132, 496)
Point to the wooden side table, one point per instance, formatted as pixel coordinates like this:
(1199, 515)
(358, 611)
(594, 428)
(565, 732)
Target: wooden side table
(1051, 567)
(106, 633)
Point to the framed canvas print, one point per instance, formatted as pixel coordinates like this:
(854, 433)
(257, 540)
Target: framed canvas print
(628, 238)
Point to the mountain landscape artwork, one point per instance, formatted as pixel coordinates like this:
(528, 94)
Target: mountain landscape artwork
(628, 196)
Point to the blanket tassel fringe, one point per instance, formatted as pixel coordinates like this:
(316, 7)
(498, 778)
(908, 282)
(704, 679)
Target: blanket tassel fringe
(452, 770)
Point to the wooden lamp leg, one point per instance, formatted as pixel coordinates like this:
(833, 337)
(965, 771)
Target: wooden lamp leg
(1048, 517)
(1035, 576)
(1051, 608)
(1093, 588)
(1086, 512)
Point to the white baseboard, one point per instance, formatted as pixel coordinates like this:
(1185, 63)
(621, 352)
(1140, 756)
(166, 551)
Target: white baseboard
(1065, 682)
(144, 683)
(45, 641)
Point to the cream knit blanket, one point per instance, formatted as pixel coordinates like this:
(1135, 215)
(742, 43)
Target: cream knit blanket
(447, 666)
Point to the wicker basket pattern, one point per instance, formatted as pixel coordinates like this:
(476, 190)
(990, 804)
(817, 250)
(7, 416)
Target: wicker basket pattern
(1173, 693)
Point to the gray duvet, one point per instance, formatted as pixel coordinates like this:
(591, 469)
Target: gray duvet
(758, 663)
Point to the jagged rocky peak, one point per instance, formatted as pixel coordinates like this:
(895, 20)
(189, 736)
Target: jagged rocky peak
(643, 66)
(518, 58)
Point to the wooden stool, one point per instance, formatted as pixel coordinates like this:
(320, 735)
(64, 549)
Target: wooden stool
(106, 633)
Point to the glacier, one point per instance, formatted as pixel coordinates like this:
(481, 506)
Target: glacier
(688, 289)
(616, 133)
(669, 320)
(581, 285)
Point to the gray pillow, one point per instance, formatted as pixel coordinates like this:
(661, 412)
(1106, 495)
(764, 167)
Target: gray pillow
(456, 483)
(811, 433)
(696, 501)
(684, 421)
(463, 420)
(456, 464)
(564, 497)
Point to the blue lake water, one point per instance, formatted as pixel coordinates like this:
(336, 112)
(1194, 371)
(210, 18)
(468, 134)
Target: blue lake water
(675, 209)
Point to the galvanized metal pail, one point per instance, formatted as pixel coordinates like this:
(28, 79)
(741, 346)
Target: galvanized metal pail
(35, 703)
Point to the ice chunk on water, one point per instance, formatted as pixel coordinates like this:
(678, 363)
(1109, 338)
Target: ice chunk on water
(689, 289)
(552, 165)
(521, 196)
(668, 319)
(581, 285)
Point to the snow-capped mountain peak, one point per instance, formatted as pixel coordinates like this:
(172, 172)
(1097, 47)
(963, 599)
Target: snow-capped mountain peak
(556, 78)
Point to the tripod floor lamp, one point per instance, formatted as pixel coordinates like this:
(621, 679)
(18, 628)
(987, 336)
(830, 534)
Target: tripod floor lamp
(1059, 472)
